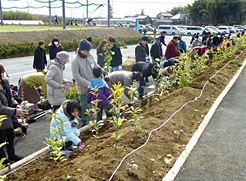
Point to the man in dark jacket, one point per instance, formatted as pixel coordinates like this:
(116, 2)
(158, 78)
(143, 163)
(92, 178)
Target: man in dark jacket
(156, 50)
(209, 43)
(141, 50)
(162, 37)
(147, 69)
(171, 50)
(116, 62)
(216, 40)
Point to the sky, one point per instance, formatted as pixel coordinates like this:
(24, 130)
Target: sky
(121, 8)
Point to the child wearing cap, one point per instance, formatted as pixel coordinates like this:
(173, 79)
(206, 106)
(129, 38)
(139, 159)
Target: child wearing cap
(55, 81)
(103, 92)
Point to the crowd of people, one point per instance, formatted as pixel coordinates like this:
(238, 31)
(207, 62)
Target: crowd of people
(88, 74)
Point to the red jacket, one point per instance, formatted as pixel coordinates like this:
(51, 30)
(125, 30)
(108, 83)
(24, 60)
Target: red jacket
(200, 50)
(170, 50)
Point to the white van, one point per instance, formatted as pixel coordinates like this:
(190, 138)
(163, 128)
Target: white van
(171, 30)
(191, 30)
(224, 29)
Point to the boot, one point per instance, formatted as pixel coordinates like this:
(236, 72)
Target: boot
(13, 156)
(3, 155)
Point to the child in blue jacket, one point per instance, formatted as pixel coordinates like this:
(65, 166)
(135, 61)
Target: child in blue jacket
(68, 112)
(103, 92)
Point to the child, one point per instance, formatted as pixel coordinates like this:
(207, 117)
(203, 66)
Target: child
(68, 112)
(103, 92)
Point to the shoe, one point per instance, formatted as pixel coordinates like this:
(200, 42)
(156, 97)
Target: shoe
(7, 161)
(72, 148)
(36, 109)
(140, 98)
(15, 158)
(65, 152)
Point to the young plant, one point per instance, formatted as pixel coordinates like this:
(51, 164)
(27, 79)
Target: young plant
(55, 146)
(108, 57)
(117, 93)
(2, 166)
(147, 105)
(136, 119)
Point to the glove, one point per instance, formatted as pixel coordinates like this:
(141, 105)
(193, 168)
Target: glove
(112, 53)
(135, 99)
(81, 145)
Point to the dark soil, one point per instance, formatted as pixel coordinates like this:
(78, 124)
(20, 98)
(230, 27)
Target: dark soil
(98, 160)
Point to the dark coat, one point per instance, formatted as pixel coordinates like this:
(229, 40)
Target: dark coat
(39, 59)
(117, 57)
(162, 40)
(140, 53)
(6, 105)
(144, 68)
(216, 41)
(100, 59)
(156, 50)
(53, 50)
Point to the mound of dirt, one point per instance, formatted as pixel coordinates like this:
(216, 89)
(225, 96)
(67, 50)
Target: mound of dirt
(68, 34)
(98, 160)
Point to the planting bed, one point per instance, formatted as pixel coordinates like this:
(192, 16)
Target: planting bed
(98, 160)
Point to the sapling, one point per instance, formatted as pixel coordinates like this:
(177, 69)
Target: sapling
(151, 164)
(214, 90)
(205, 102)
(147, 104)
(194, 113)
(117, 93)
(223, 81)
(134, 112)
(108, 57)
(2, 166)
(179, 135)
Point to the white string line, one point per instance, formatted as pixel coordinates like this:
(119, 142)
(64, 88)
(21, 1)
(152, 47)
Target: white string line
(196, 98)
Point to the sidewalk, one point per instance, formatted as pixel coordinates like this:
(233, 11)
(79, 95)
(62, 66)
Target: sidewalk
(220, 154)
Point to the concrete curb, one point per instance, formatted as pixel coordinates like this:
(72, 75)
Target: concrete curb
(170, 176)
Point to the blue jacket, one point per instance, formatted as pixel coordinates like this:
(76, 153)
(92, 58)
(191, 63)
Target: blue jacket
(182, 45)
(103, 92)
(66, 129)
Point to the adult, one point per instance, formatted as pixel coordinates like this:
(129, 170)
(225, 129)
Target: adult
(171, 50)
(82, 66)
(6, 127)
(54, 48)
(209, 43)
(55, 81)
(193, 38)
(101, 53)
(26, 89)
(141, 50)
(197, 42)
(216, 40)
(40, 61)
(147, 69)
(116, 62)
(156, 50)
(126, 79)
(182, 44)
(162, 37)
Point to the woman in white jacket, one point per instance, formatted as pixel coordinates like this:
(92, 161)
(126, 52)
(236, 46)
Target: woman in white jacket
(55, 81)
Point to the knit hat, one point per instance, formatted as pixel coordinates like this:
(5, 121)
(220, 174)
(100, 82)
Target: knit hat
(84, 45)
(63, 55)
(157, 39)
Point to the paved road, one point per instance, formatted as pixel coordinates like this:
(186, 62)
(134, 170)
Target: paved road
(39, 130)
(220, 154)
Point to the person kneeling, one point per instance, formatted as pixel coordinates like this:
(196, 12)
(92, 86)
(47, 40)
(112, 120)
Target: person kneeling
(67, 112)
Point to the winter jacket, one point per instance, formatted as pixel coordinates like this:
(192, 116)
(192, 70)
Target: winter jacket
(162, 40)
(54, 78)
(103, 92)
(196, 43)
(100, 59)
(140, 52)
(74, 128)
(182, 45)
(6, 105)
(124, 77)
(66, 129)
(53, 50)
(39, 61)
(144, 68)
(117, 57)
(200, 50)
(156, 50)
(209, 43)
(36, 79)
(170, 50)
(82, 72)
(216, 41)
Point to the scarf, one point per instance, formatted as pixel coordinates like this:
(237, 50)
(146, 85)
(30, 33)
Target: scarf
(81, 54)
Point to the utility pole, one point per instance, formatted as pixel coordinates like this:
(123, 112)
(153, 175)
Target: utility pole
(1, 10)
(109, 9)
(87, 9)
(50, 14)
(63, 15)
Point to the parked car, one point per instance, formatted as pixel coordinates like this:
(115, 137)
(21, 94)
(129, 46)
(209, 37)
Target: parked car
(171, 30)
(191, 30)
(212, 31)
(213, 28)
(224, 29)
(239, 28)
(181, 27)
(149, 28)
(141, 28)
(232, 29)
